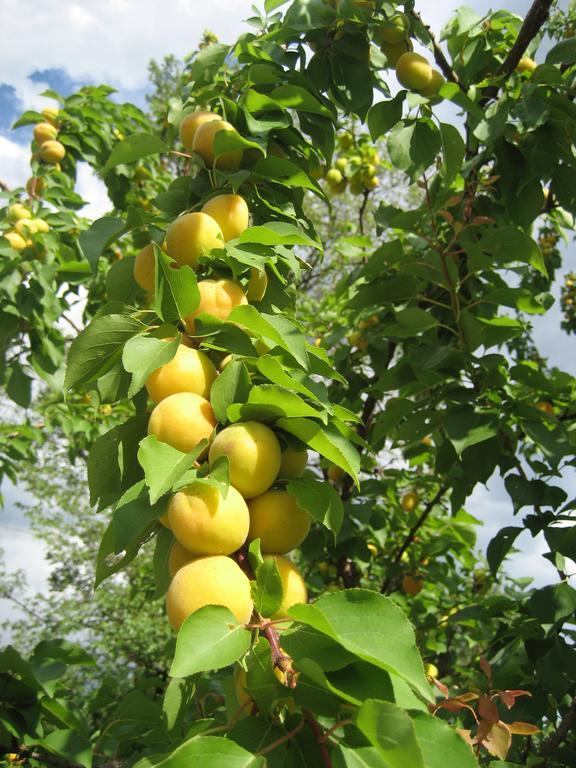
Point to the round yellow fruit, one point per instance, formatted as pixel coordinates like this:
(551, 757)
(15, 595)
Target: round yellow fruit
(293, 586)
(545, 407)
(410, 501)
(393, 51)
(224, 362)
(25, 227)
(206, 522)
(145, 268)
(178, 557)
(257, 284)
(336, 474)
(413, 71)
(394, 30)
(16, 241)
(334, 177)
(431, 670)
(192, 235)
(210, 580)
(44, 132)
(35, 186)
(278, 521)
(50, 114)
(188, 371)
(182, 420)
(204, 145)
(526, 64)
(52, 152)
(412, 586)
(431, 90)
(217, 298)
(190, 125)
(253, 453)
(18, 211)
(41, 226)
(292, 463)
(231, 214)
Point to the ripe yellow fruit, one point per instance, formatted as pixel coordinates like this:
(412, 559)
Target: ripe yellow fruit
(545, 407)
(182, 420)
(18, 211)
(210, 580)
(231, 214)
(217, 298)
(16, 241)
(224, 362)
(206, 522)
(293, 585)
(526, 64)
(356, 340)
(178, 557)
(372, 548)
(413, 71)
(35, 186)
(431, 670)
(190, 125)
(336, 474)
(204, 145)
(52, 152)
(410, 501)
(253, 453)
(145, 268)
(394, 30)
(334, 177)
(431, 90)
(189, 371)
(411, 585)
(44, 132)
(239, 681)
(41, 226)
(192, 235)
(393, 51)
(292, 463)
(257, 284)
(50, 114)
(25, 227)
(278, 521)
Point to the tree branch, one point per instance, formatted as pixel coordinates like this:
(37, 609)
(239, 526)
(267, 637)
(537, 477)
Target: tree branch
(533, 23)
(566, 725)
(318, 732)
(4, 187)
(439, 56)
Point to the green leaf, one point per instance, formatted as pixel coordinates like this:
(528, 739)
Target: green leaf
(296, 97)
(327, 441)
(500, 545)
(361, 757)
(391, 731)
(387, 641)
(19, 386)
(232, 386)
(282, 401)
(413, 146)
(70, 745)
(555, 602)
(210, 638)
(267, 590)
(135, 148)
(101, 234)
(454, 93)
(272, 328)
(453, 149)
(164, 465)
(286, 173)
(98, 347)
(176, 295)
(277, 233)
(320, 500)
(562, 539)
(465, 427)
(384, 115)
(144, 354)
(207, 752)
(441, 745)
(162, 578)
(563, 52)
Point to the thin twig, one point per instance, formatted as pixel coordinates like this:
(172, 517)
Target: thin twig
(535, 19)
(567, 723)
(286, 737)
(318, 732)
(439, 56)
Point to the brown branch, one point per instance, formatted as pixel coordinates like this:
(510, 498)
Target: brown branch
(535, 19)
(413, 531)
(279, 658)
(287, 736)
(363, 427)
(362, 210)
(318, 732)
(567, 723)
(439, 56)
(4, 187)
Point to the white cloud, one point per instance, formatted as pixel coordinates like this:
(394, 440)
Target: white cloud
(93, 190)
(14, 161)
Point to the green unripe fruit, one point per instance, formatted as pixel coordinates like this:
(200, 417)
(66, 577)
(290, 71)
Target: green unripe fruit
(341, 164)
(334, 177)
(346, 140)
(413, 71)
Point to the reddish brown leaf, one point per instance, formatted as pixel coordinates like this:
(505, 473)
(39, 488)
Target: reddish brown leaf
(486, 667)
(441, 687)
(466, 735)
(454, 201)
(488, 710)
(482, 220)
(468, 696)
(509, 697)
(447, 216)
(498, 740)
(523, 729)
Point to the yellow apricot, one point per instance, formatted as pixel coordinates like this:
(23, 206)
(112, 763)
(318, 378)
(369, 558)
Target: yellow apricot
(410, 501)
(16, 241)
(336, 474)
(293, 586)
(206, 522)
(526, 64)
(253, 453)
(278, 521)
(545, 407)
(50, 114)
(190, 125)
(393, 51)
(189, 371)
(18, 211)
(292, 463)
(44, 132)
(52, 152)
(41, 226)
(210, 580)
(411, 585)
(394, 30)
(224, 362)
(145, 268)
(431, 90)
(178, 557)
(204, 145)
(192, 235)
(217, 298)
(257, 284)
(182, 420)
(231, 214)
(413, 71)
(431, 670)
(25, 227)
(35, 186)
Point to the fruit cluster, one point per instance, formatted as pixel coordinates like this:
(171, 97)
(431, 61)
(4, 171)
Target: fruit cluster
(568, 302)
(208, 525)
(356, 166)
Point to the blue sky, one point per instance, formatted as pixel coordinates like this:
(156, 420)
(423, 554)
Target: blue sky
(63, 44)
